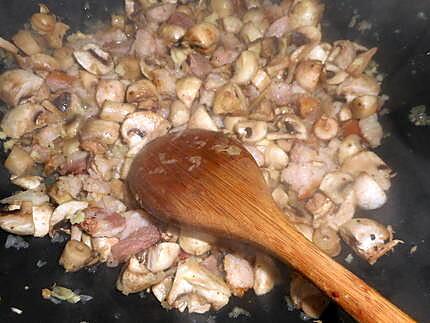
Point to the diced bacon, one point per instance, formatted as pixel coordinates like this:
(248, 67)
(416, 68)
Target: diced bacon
(199, 65)
(75, 164)
(101, 223)
(278, 28)
(223, 56)
(134, 220)
(161, 13)
(57, 81)
(138, 241)
(304, 178)
(144, 45)
(240, 274)
(181, 19)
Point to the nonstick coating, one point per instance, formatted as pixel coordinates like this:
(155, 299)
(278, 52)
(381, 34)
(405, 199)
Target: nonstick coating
(401, 31)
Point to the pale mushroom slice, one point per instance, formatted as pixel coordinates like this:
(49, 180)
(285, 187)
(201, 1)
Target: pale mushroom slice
(307, 297)
(17, 84)
(21, 119)
(162, 256)
(141, 127)
(368, 238)
(368, 162)
(289, 126)
(17, 222)
(36, 197)
(195, 242)
(201, 119)
(266, 274)
(334, 184)
(135, 277)
(229, 99)
(66, 211)
(191, 277)
(94, 59)
(41, 215)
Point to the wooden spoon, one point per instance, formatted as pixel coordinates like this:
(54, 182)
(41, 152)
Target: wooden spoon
(206, 180)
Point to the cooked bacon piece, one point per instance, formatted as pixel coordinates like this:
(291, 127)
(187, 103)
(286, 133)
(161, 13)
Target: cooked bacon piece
(101, 223)
(180, 19)
(138, 241)
(199, 65)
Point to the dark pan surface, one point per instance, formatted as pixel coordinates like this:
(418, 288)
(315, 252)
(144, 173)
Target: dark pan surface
(401, 31)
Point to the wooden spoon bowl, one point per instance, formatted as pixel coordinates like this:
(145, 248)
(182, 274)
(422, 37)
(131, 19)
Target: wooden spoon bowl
(207, 180)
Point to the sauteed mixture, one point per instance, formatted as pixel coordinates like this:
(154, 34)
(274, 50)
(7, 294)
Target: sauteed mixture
(79, 106)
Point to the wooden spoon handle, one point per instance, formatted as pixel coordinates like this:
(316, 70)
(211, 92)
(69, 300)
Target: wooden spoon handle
(364, 303)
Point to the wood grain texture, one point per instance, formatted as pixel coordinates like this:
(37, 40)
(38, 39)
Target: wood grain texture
(204, 179)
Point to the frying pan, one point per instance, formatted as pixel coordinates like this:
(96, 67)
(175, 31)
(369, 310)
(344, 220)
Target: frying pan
(401, 31)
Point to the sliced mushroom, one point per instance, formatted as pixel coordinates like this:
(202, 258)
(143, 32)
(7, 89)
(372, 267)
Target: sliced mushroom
(141, 127)
(75, 256)
(305, 13)
(250, 32)
(55, 39)
(232, 24)
(135, 277)
(162, 289)
(251, 131)
(350, 146)
(368, 162)
(326, 128)
(307, 297)
(66, 211)
(191, 277)
(289, 126)
(194, 242)
(343, 53)
(43, 23)
(27, 182)
(187, 89)
(203, 37)
(17, 222)
(308, 74)
(164, 81)
(369, 194)
(172, 34)
(361, 85)
(266, 274)
(140, 91)
(275, 157)
(179, 114)
(34, 196)
(327, 240)
(128, 68)
(95, 60)
(17, 84)
(360, 62)
(115, 111)
(334, 185)
(321, 208)
(162, 256)
(26, 42)
(229, 99)
(344, 213)
(105, 132)
(245, 67)
(368, 238)
(223, 8)
(103, 247)
(41, 215)
(364, 106)
(19, 161)
(109, 90)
